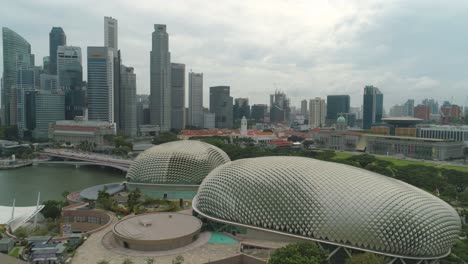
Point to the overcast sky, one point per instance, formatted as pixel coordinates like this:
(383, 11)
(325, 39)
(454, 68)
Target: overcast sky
(409, 49)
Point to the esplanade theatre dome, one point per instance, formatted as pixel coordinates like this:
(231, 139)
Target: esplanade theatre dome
(178, 162)
(329, 203)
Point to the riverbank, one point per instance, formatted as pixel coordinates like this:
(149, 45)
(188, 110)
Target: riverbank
(14, 164)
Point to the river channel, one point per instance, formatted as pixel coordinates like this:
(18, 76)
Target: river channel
(23, 184)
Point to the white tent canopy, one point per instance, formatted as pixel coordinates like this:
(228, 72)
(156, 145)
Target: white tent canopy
(19, 216)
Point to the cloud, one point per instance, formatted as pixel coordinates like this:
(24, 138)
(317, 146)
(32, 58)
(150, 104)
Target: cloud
(409, 49)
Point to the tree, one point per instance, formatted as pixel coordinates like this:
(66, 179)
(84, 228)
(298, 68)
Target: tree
(299, 253)
(463, 197)
(127, 261)
(366, 258)
(103, 262)
(52, 209)
(363, 160)
(164, 138)
(21, 233)
(134, 198)
(178, 260)
(149, 260)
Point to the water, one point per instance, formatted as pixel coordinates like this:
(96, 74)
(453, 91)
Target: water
(51, 180)
(219, 238)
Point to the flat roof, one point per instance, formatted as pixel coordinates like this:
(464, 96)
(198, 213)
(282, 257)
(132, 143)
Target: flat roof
(158, 226)
(409, 138)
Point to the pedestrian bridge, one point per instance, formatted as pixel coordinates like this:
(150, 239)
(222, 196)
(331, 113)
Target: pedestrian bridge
(85, 158)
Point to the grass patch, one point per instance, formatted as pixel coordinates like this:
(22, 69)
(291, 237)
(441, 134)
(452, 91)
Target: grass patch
(342, 155)
(15, 252)
(451, 167)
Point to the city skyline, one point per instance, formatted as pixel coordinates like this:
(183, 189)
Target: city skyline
(351, 46)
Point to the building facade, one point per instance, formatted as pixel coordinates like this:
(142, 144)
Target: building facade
(373, 106)
(418, 148)
(317, 112)
(160, 78)
(178, 96)
(336, 105)
(25, 83)
(67, 55)
(209, 120)
(280, 109)
(196, 99)
(111, 33)
(221, 106)
(15, 48)
(57, 38)
(258, 112)
(423, 112)
(50, 107)
(100, 84)
(304, 111)
(79, 130)
(241, 108)
(455, 133)
(128, 117)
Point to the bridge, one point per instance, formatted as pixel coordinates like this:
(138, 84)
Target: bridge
(79, 158)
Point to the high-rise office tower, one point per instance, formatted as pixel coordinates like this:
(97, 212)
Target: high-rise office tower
(70, 79)
(45, 63)
(196, 99)
(111, 33)
(317, 112)
(160, 78)
(128, 118)
(241, 108)
(100, 84)
(304, 111)
(258, 112)
(49, 107)
(25, 82)
(178, 95)
(336, 105)
(373, 106)
(111, 41)
(66, 55)
(280, 109)
(221, 106)
(56, 38)
(16, 50)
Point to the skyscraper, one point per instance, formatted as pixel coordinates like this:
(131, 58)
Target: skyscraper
(241, 108)
(373, 106)
(196, 99)
(49, 107)
(178, 95)
(15, 50)
(128, 119)
(221, 106)
(100, 84)
(317, 112)
(336, 104)
(111, 41)
(279, 107)
(25, 80)
(304, 111)
(56, 38)
(66, 55)
(111, 33)
(70, 79)
(160, 77)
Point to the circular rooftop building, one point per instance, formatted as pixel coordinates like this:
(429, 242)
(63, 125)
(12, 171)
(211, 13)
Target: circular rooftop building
(183, 162)
(155, 232)
(330, 203)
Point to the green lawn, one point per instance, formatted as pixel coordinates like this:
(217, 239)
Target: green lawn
(450, 167)
(15, 252)
(342, 155)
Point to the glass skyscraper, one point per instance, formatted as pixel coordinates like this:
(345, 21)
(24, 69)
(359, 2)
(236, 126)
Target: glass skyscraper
(221, 106)
(336, 104)
(56, 38)
(160, 79)
(178, 95)
(100, 84)
(15, 50)
(196, 99)
(373, 106)
(128, 114)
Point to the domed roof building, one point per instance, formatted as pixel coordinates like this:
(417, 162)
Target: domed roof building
(184, 162)
(333, 204)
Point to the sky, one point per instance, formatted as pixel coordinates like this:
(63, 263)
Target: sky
(409, 49)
